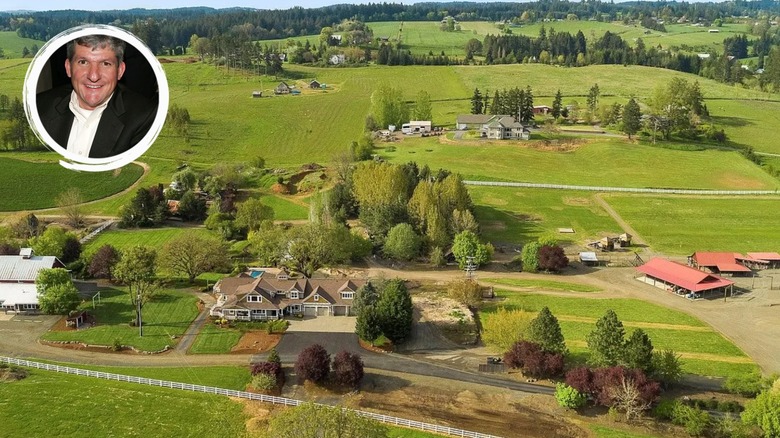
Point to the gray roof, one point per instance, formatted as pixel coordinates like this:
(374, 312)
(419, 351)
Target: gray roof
(588, 256)
(474, 119)
(15, 268)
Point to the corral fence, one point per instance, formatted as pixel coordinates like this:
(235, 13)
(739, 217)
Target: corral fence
(623, 189)
(386, 419)
(97, 231)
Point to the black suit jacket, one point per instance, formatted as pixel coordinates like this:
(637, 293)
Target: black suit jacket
(124, 122)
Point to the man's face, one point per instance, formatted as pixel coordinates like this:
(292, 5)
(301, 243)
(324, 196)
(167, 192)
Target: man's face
(94, 74)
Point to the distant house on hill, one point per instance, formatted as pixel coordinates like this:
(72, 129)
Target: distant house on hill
(499, 127)
(338, 59)
(282, 88)
(18, 273)
(314, 85)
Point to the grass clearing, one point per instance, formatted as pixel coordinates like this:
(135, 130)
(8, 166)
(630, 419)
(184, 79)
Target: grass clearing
(692, 336)
(682, 225)
(543, 284)
(126, 238)
(619, 164)
(73, 404)
(748, 122)
(22, 195)
(215, 340)
(13, 45)
(167, 315)
(607, 432)
(516, 215)
(286, 209)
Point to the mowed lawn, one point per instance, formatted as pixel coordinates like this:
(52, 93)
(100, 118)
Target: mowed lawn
(513, 215)
(127, 238)
(72, 405)
(168, 314)
(599, 162)
(703, 350)
(33, 181)
(215, 340)
(682, 225)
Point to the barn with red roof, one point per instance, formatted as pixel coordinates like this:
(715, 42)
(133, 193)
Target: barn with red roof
(682, 280)
(719, 263)
(761, 260)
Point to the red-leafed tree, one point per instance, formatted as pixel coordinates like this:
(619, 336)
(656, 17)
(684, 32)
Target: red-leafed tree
(533, 361)
(103, 261)
(347, 369)
(581, 379)
(552, 258)
(313, 364)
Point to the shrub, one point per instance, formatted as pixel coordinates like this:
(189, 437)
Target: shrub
(665, 409)
(569, 397)
(437, 257)
(269, 368)
(264, 381)
(347, 369)
(694, 420)
(466, 291)
(581, 379)
(504, 327)
(529, 357)
(552, 258)
(748, 385)
(313, 364)
(273, 356)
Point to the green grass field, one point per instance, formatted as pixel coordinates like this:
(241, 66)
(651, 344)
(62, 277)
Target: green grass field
(543, 284)
(606, 432)
(600, 162)
(682, 225)
(75, 405)
(153, 237)
(514, 215)
(21, 194)
(285, 209)
(168, 314)
(748, 122)
(215, 340)
(667, 328)
(13, 45)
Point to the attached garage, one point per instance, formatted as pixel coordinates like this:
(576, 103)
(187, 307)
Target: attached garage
(309, 311)
(340, 310)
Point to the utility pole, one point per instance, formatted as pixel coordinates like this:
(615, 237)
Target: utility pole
(140, 319)
(470, 267)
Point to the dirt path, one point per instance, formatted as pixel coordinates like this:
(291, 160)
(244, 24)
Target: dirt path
(636, 238)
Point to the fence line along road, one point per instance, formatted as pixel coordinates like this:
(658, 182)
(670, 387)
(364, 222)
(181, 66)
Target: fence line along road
(622, 189)
(395, 421)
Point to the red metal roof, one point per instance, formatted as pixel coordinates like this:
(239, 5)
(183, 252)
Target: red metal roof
(683, 276)
(772, 256)
(723, 261)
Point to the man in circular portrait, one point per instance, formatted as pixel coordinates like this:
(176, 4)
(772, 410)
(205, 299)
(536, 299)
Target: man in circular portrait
(94, 115)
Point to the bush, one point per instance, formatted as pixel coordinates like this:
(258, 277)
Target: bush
(466, 291)
(529, 357)
(502, 328)
(270, 368)
(437, 257)
(569, 397)
(347, 369)
(665, 409)
(313, 364)
(264, 381)
(748, 385)
(694, 420)
(581, 379)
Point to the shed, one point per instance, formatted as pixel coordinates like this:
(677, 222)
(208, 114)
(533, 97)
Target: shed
(625, 240)
(282, 88)
(314, 84)
(256, 94)
(588, 258)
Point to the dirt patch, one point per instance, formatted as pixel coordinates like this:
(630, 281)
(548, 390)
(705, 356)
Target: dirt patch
(256, 342)
(577, 202)
(492, 200)
(568, 145)
(739, 182)
(257, 415)
(453, 320)
(11, 374)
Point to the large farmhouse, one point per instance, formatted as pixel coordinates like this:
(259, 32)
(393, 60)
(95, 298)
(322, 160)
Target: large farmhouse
(265, 297)
(18, 273)
(493, 127)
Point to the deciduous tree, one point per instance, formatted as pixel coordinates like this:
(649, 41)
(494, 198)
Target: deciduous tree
(422, 107)
(552, 258)
(402, 243)
(313, 364)
(103, 261)
(56, 293)
(466, 291)
(251, 213)
(347, 369)
(192, 253)
(137, 268)
(70, 203)
(466, 246)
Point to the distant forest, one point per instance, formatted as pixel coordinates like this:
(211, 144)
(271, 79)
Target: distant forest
(165, 29)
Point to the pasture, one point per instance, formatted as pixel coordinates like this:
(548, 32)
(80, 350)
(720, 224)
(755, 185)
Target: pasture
(13, 45)
(748, 122)
(168, 314)
(703, 350)
(682, 225)
(33, 181)
(543, 284)
(126, 238)
(515, 215)
(595, 162)
(73, 404)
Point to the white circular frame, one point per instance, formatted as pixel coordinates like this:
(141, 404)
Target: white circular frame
(72, 161)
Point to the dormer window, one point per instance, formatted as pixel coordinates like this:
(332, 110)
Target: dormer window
(294, 295)
(254, 298)
(347, 295)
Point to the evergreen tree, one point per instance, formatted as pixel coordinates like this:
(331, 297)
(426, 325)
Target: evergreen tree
(545, 331)
(606, 340)
(638, 351)
(366, 296)
(395, 311)
(557, 105)
(368, 324)
(593, 97)
(476, 102)
(527, 106)
(631, 118)
(495, 105)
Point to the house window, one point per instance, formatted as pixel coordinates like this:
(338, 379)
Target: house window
(347, 295)
(316, 297)
(254, 298)
(294, 295)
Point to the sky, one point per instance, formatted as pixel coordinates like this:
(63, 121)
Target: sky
(46, 5)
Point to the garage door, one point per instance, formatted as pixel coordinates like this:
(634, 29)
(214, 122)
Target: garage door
(339, 310)
(322, 311)
(310, 311)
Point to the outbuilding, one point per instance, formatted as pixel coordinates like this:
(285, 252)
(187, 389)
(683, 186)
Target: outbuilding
(683, 280)
(719, 263)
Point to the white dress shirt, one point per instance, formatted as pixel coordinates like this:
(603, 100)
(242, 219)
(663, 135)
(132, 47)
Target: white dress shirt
(85, 124)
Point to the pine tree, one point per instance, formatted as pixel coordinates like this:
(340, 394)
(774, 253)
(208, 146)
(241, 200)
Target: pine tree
(638, 351)
(545, 331)
(557, 105)
(476, 102)
(395, 311)
(593, 98)
(606, 340)
(631, 118)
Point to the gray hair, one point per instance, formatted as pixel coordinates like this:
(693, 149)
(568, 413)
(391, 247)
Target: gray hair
(98, 42)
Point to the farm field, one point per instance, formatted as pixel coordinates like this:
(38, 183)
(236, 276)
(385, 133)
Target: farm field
(682, 225)
(508, 214)
(123, 239)
(619, 164)
(19, 171)
(63, 402)
(543, 284)
(13, 45)
(667, 328)
(748, 122)
(168, 314)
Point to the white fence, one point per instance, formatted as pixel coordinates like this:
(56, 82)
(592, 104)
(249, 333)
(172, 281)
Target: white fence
(623, 189)
(97, 231)
(427, 427)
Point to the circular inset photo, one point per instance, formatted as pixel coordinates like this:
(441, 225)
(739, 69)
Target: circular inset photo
(96, 95)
